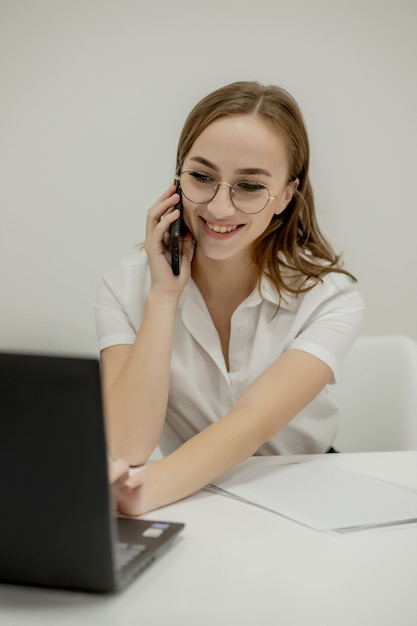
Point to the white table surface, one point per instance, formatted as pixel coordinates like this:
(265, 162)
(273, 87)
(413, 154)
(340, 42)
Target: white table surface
(236, 564)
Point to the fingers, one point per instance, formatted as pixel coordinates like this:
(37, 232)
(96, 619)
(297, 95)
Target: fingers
(163, 207)
(128, 494)
(165, 221)
(135, 481)
(160, 218)
(118, 470)
(126, 489)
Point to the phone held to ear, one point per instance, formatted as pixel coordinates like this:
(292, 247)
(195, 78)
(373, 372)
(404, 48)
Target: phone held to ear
(176, 230)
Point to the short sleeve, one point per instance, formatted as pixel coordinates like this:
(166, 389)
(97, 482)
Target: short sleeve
(336, 310)
(120, 301)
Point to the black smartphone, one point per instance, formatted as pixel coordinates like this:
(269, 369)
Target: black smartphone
(176, 230)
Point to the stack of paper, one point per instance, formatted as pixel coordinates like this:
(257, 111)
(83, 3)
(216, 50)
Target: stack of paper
(321, 496)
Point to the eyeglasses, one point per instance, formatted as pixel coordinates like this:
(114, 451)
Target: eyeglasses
(246, 196)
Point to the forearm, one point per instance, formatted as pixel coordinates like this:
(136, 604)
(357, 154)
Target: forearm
(136, 398)
(201, 460)
(268, 405)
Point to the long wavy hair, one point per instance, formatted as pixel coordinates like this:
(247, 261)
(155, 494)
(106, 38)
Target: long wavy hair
(292, 250)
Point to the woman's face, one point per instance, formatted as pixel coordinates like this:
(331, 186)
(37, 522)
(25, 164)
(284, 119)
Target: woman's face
(232, 149)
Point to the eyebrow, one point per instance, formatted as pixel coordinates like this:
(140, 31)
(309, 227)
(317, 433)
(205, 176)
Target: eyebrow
(243, 170)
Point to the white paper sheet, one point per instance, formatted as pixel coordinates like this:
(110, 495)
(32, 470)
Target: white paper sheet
(321, 496)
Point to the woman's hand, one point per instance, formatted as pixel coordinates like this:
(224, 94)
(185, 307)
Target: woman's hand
(159, 220)
(127, 490)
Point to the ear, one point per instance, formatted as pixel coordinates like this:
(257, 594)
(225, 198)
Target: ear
(287, 196)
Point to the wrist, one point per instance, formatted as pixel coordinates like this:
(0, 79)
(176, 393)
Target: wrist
(154, 494)
(166, 299)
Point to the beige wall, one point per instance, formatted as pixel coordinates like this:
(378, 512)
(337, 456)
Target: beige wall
(93, 96)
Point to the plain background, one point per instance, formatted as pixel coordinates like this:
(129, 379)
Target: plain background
(93, 97)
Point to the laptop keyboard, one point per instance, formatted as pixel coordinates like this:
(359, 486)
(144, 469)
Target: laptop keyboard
(126, 552)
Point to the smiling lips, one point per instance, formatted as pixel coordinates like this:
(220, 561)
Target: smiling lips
(221, 229)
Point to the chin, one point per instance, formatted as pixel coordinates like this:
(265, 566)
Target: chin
(221, 254)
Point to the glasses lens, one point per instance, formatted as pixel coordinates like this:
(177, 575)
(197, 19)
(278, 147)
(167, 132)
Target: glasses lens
(247, 196)
(250, 197)
(198, 187)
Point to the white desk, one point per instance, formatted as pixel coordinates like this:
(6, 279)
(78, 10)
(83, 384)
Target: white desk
(238, 564)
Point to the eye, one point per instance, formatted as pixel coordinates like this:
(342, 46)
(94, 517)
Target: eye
(203, 179)
(246, 186)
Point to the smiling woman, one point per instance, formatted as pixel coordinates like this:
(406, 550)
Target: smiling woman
(231, 357)
(241, 209)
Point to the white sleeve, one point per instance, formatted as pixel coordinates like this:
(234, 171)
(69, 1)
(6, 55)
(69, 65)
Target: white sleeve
(120, 301)
(334, 322)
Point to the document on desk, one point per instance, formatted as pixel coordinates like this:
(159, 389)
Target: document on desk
(321, 496)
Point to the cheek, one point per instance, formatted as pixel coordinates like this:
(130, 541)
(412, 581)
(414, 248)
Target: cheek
(188, 215)
(258, 226)
(266, 218)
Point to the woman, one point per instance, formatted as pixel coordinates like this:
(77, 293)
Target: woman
(230, 358)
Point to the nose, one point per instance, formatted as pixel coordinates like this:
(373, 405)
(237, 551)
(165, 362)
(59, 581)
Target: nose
(221, 205)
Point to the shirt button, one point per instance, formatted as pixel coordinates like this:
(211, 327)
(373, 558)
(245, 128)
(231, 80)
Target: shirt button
(242, 329)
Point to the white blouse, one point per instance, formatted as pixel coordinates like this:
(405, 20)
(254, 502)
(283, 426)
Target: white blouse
(323, 321)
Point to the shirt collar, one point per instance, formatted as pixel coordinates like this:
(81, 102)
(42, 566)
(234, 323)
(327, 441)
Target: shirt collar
(265, 291)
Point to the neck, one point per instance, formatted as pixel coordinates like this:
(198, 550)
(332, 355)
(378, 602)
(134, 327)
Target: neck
(231, 280)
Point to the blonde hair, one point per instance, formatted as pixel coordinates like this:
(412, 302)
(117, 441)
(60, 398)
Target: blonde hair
(292, 250)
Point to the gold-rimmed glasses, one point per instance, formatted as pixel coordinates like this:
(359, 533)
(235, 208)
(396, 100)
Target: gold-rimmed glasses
(247, 196)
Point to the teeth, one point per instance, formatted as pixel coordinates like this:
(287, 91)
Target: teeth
(221, 229)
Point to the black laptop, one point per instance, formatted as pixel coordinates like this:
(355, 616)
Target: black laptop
(57, 524)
